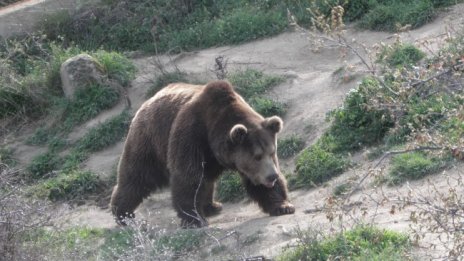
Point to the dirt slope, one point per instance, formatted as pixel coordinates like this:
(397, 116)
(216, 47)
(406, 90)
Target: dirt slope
(311, 90)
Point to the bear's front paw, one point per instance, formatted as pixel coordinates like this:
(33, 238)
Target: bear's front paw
(283, 209)
(212, 209)
(123, 219)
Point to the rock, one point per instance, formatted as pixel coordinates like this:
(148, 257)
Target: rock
(78, 72)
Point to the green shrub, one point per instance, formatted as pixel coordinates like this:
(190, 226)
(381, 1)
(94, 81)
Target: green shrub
(68, 238)
(425, 112)
(40, 137)
(453, 128)
(290, 146)
(388, 15)
(341, 189)
(43, 164)
(129, 26)
(267, 107)
(181, 241)
(360, 243)
(88, 102)
(68, 186)
(404, 55)
(116, 243)
(355, 10)
(230, 188)
(316, 165)
(6, 157)
(73, 160)
(116, 65)
(31, 82)
(356, 124)
(414, 165)
(14, 98)
(250, 82)
(444, 3)
(105, 134)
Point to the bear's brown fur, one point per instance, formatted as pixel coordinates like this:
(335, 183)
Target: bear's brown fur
(185, 136)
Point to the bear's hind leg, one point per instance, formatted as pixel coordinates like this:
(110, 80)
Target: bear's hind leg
(189, 200)
(272, 200)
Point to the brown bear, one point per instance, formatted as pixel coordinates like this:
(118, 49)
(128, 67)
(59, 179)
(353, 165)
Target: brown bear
(186, 136)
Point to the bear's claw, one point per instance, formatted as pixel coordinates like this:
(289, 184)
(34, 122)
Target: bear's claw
(212, 209)
(284, 209)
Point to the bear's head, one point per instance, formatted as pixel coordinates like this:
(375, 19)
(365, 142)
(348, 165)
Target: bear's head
(253, 151)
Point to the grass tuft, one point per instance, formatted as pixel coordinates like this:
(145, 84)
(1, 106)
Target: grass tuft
(401, 55)
(229, 187)
(268, 107)
(414, 165)
(316, 165)
(250, 82)
(360, 243)
(75, 184)
(289, 147)
(355, 124)
(7, 157)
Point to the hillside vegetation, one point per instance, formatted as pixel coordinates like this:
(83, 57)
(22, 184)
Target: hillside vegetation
(408, 106)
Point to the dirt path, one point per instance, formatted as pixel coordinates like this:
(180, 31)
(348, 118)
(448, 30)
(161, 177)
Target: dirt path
(311, 90)
(24, 16)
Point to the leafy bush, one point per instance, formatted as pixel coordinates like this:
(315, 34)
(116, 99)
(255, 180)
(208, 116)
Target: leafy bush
(43, 164)
(341, 189)
(30, 81)
(400, 55)
(105, 134)
(414, 165)
(360, 243)
(288, 147)
(88, 102)
(116, 65)
(83, 238)
(316, 165)
(175, 25)
(250, 82)
(181, 241)
(7, 2)
(356, 124)
(117, 242)
(388, 15)
(68, 186)
(6, 157)
(267, 107)
(230, 188)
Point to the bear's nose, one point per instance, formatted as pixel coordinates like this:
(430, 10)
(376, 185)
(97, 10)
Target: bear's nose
(272, 177)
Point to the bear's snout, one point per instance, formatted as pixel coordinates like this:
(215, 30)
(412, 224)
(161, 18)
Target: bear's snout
(271, 180)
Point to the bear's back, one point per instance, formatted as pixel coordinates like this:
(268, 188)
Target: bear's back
(153, 122)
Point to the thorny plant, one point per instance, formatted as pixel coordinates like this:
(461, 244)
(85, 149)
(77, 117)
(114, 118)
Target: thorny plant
(18, 217)
(155, 243)
(220, 67)
(426, 102)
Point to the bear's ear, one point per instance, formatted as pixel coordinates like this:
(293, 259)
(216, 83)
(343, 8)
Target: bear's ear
(274, 124)
(237, 133)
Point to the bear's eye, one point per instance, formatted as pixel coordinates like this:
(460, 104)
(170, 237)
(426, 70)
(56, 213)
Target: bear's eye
(258, 157)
